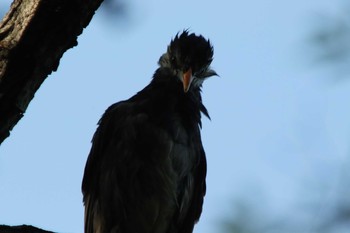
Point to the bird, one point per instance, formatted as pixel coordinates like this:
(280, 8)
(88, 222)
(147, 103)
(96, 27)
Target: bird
(146, 170)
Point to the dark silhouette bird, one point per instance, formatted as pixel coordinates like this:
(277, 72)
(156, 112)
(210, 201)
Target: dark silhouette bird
(146, 169)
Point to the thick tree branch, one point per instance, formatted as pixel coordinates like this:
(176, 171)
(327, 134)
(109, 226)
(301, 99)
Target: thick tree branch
(21, 229)
(33, 37)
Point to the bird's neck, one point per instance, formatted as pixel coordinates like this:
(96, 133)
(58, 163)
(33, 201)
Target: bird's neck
(167, 95)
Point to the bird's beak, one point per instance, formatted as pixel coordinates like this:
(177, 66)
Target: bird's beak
(187, 79)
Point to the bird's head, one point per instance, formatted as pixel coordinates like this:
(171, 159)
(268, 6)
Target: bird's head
(188, 57)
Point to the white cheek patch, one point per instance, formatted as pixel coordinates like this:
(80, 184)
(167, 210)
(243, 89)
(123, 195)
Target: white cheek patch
(197, 82)
(164, 61)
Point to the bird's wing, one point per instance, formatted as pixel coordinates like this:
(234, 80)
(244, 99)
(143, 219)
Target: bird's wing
(194, 208)
(128, 181)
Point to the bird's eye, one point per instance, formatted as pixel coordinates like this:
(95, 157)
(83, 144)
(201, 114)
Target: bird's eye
(173, 60)
(201, 71)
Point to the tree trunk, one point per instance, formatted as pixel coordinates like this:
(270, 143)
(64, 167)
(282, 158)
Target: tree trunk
(33, 37)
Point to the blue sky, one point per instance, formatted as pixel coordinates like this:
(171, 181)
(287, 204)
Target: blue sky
(278, 124)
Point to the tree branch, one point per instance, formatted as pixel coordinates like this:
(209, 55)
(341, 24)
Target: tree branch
(33, 37)
(21, 229)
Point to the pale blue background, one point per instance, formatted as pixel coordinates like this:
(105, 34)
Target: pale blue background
(279, 125)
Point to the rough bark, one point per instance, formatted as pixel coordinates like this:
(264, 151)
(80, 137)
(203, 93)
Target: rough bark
(33, 37)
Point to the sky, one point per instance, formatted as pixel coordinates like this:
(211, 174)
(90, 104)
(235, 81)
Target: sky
(279, 126)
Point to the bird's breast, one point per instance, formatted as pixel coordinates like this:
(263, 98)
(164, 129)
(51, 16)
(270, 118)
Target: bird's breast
(183, 153)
